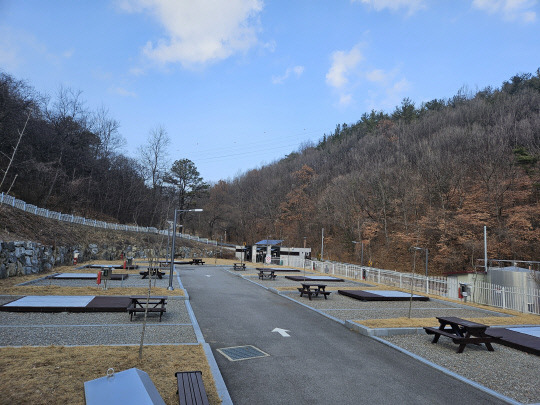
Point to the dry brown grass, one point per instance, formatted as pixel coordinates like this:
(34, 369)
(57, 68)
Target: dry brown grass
(56, 374)
(517, 319)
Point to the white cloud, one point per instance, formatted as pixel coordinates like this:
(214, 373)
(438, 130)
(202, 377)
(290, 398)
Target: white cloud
(389, 95)
(201, 31)
(377, 75)
(122, 92)
(296, 71)
(510, 10)
(343, 65)
(345, 99)
(18, 47)
(394, 5)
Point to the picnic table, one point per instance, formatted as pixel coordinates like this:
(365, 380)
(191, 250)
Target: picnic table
(313, 289)
(267, 273)
(153, 272)
(197, 261)
(138, 304)
(461, 332)
(239, 266)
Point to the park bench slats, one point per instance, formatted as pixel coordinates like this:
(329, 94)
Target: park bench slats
(191, 389)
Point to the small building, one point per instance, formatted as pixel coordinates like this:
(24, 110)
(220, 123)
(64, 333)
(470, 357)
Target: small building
(279, 255)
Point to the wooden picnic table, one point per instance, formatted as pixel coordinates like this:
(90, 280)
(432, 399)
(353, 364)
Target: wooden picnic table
(461, 331)
(313, 289)
(138, 304)
(153, 272)
(267, 273)
(197, 261)
(239, 266)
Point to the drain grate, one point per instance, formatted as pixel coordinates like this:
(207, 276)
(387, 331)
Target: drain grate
(242, 353)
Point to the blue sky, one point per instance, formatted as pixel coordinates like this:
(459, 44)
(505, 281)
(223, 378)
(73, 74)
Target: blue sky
(240, 83)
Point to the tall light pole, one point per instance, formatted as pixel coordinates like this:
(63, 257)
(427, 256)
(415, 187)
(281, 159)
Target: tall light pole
(420, 248)
(173, 244)
(322, 244)
(361, 257)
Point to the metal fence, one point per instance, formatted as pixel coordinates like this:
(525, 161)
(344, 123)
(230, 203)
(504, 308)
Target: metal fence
(13, 202)
(526, 300)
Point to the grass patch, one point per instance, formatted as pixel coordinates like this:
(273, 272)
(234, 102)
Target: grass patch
(521, 319)
(56, 374)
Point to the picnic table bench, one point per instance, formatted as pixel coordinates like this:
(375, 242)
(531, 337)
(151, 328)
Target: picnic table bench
(461, 332)
(311, 289)
(267, 273)
(191, 388)
(153, 272)
(197, 261)
(239, 266)
(138, 304)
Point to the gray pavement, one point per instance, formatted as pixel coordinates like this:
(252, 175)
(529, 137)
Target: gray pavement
(320, 361)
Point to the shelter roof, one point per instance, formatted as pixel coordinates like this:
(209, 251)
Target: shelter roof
(269, 242)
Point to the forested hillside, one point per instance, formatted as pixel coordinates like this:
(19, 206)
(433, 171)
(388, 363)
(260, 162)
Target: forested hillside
(431, 176)
(58, 154)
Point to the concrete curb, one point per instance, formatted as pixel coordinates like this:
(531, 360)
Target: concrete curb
(374, 332)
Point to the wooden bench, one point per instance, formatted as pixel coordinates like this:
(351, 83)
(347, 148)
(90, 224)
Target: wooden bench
(239, 266)
(155, 305)
(462, 332)
(191, 388)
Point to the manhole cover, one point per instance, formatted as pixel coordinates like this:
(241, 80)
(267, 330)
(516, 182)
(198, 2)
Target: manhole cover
(242, 353)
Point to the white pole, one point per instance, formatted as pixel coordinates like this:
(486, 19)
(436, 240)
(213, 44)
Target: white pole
(485, 249)
(322, 244)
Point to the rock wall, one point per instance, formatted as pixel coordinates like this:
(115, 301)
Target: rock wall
(24, 257)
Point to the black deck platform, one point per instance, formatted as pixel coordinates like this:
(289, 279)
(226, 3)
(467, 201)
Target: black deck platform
(314, 278)
(375, 295)
(278, 270)
(102, 303)
(516, 340)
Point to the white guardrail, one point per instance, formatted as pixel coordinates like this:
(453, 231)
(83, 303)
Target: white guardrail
(13, 202)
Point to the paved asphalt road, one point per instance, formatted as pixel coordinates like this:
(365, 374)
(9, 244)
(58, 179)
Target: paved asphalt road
(321, 362)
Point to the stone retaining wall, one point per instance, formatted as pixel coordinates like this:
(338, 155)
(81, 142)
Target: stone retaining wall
(25, 257)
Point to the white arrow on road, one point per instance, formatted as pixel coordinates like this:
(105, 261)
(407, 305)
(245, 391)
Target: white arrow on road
(208, 275)
(282, 332)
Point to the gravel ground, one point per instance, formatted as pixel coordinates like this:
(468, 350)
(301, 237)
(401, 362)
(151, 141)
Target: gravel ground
(91, 328)
(507, 371)
(346, 308)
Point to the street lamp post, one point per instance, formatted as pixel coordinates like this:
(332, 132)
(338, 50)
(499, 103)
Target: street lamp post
(322, 244)
(173, 245)
(426, 250)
